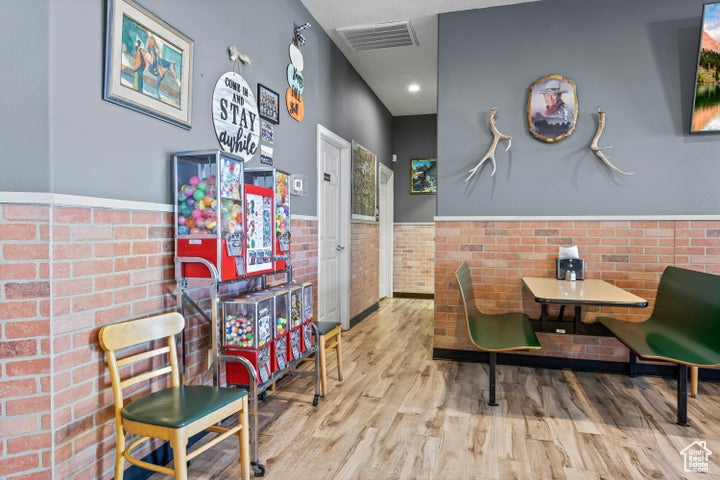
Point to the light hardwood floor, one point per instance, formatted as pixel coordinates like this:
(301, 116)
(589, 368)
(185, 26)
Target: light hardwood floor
(399, 414)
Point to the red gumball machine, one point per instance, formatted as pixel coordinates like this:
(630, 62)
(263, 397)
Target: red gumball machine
(282, 352)
(248, 324)
(209, 213)
(279, 182)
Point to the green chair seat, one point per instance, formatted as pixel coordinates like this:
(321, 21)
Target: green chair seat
(660, 341)
(325, 327)
(502, 332)
(178, 407)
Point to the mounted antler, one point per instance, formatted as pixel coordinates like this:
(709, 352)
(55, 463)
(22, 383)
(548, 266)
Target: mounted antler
(598, 150)
(497, 136)
(237, 56)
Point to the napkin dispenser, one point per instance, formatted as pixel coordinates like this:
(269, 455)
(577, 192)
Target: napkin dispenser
(576, 265)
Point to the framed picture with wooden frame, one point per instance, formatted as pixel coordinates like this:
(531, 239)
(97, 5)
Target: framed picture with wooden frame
(268, 104)
(552, 108)
(148, 64)
(423, 176)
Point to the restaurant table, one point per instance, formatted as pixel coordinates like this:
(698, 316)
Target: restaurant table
(589, 292)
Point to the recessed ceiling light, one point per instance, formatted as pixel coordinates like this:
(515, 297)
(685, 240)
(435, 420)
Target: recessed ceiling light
(413, 88)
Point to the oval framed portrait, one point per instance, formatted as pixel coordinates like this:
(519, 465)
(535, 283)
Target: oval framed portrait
(552, 108)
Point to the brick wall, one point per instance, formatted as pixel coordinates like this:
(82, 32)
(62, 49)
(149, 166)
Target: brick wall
(25, 369)
(629, 253)
(65, 272)
(364, 267)
(414, 258)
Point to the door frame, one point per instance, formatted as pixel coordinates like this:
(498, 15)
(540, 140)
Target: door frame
(344, 214)
(387, 220)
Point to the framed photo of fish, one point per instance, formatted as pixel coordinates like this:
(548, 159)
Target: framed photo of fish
(552, 108)
(148, 64)
(706, 105)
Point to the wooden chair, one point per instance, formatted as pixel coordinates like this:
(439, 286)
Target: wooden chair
(500, 332)
(330, 335)
(173, 414)
(330, 338)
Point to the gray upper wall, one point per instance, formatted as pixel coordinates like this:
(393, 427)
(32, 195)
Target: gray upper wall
(99, 149)
(414, 136)
(24, 38)
(636, 60)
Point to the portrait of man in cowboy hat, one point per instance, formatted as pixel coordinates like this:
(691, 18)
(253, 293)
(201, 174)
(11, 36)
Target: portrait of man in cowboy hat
(552, 108)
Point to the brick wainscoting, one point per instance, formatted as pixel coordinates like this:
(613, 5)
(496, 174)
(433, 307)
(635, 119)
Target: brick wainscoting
(364, 267)
(65, 272)
(414, 258)
(629, 253)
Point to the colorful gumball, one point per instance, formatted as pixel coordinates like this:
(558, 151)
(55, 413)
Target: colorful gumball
(181, 220)
(194, 180)
(190, 222)
(212, 180)
(186, 211)
(189, 190)
(202, 185)
(198, 194)
(183, 230)
(197, 214)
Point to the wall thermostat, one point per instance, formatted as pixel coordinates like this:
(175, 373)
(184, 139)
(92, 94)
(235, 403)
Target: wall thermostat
(298, 185)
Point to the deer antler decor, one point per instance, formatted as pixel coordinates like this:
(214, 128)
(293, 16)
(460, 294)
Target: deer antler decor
(497, 136)
(598, 150)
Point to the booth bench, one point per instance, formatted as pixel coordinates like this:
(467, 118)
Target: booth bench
(500, 332)
(684, 327)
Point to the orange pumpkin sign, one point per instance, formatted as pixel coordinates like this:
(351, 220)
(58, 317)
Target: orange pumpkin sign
(295, 105)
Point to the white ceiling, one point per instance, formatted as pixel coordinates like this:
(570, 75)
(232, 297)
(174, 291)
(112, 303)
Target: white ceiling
(389, 71)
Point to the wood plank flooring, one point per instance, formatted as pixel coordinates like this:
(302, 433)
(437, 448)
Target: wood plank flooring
(401, 415)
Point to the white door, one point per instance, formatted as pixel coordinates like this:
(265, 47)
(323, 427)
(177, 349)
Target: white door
(333, 228)
(385, 208)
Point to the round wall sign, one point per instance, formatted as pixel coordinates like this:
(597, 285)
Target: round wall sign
(235, 116)
(295, 78)
(295, 105)
(296, 57)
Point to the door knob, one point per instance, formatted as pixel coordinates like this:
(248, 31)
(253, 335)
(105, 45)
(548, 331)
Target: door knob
(339, 247)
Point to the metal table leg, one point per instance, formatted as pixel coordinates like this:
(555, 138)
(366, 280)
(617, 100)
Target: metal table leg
(257, 468)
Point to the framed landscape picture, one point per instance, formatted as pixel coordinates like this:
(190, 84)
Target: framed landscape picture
(706, 106)
(148, 64)
(423, 176)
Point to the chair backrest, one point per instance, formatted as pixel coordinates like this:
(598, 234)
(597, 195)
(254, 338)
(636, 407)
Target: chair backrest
(160, 360)
(466, 289)
(691, 300)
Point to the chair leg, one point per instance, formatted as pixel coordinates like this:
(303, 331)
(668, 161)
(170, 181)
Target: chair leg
(323, 373)
(244, 437)
(119, 452)
(492, 364)
(693, 381)
(178, 443)
(682, 391)
(632, 364)
(339, 355)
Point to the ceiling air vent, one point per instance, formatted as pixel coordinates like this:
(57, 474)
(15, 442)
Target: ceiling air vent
(381, 35)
